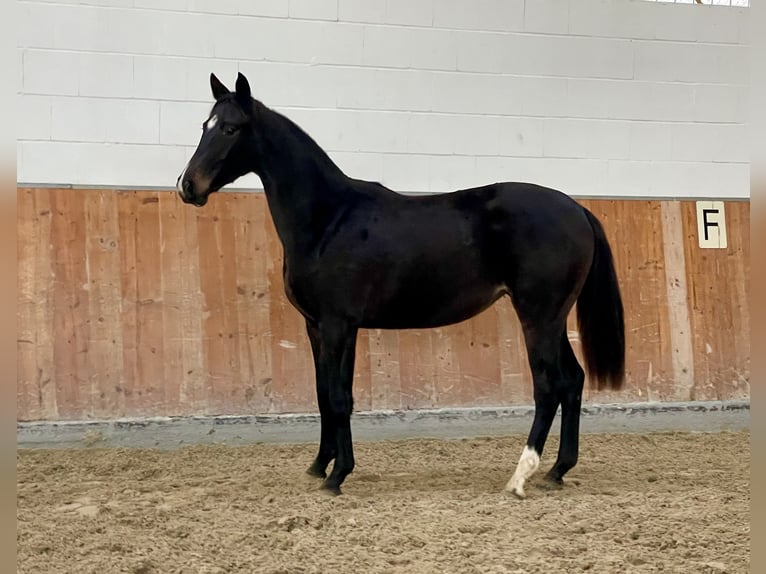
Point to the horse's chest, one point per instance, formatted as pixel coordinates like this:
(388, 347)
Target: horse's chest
(297, 292)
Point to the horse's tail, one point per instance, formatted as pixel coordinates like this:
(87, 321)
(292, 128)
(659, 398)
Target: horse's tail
(600, 316)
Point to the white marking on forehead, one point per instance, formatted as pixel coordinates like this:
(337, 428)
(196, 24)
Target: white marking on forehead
(211, 122)
(179, 186)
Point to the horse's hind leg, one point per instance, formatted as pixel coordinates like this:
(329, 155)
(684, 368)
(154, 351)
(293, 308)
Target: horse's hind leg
(570, 393)
(544, 353)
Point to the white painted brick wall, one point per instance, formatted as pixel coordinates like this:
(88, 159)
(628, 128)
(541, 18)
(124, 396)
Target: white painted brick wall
(595, 97)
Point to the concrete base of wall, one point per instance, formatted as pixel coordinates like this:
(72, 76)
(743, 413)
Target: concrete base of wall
(172, 432)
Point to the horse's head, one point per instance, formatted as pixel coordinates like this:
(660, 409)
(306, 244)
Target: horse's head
(224, 149)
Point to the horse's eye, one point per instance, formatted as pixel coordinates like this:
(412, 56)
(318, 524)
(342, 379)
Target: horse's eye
(230, 130)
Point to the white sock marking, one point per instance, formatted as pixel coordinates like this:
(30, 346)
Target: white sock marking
(528, 463)
(211, 122)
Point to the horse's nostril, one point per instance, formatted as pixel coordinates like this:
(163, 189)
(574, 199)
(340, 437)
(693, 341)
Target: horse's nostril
(187, 187)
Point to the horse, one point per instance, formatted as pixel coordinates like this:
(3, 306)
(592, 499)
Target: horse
(358, 255)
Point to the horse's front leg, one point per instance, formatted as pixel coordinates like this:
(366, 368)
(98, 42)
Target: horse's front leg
(327, 442)
(336, 371)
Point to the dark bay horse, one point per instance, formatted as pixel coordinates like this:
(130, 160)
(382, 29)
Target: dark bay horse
(359, 255)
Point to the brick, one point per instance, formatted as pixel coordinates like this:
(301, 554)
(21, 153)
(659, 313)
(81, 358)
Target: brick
(160, 78)
(409, 13)
(398, 12)
(359, 165)
(177, 5)
(215, 6)
(408, 48)
(314, 9)
(545, 56)
(283, 84)
(473, 135)
(677, 22)
(105, 120)
(584, 138)
(629, 178)
(272, 8)
(717, 180)
(406, 172)
(488, 94)
(109, 3)
(35, 112)
(366, 88)
(727, 143)
(47, 72)
(47, 162)
(115, 164)
(573, 176)
(699, 63)
(649, 141)
(719, 23)
(431, 134)
(649, 101)
(720, 103)
(373, 131)
(322, 43)
(373, 11)
(613, 18)
(480, 15)
(520, 137)
(546, 16)
(106, 75)
(180, 123)
(452, 172)
(502, 169)
(544, 96)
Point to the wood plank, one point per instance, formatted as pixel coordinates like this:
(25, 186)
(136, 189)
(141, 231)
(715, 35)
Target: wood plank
(678, 300)
(28, 400)
(70, 305)
(218, 284)
(45, 287)
(447, 365)
(479, 360)
(416, 370)
(385, 378)
(104, 344)
(149, 392)
(253, 301)
(182, 307)
(719, 281)
(515, 375)
(127, 223)
(362, 377)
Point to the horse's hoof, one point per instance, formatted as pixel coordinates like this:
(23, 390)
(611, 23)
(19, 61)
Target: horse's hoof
(316, 472)
(330, 490)
(553, 482)
(517, 492)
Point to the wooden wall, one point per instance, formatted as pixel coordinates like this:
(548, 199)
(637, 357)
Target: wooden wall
(134, 304)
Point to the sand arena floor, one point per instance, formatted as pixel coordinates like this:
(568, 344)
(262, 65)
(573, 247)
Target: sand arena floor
(664, 502)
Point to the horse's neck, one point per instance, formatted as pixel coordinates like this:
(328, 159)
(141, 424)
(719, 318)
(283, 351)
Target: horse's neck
(301, 185)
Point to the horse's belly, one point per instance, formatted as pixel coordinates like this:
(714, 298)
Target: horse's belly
(433, 310)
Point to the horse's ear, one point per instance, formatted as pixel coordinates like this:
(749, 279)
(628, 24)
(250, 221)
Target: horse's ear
(242, 87)
(219, 90)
